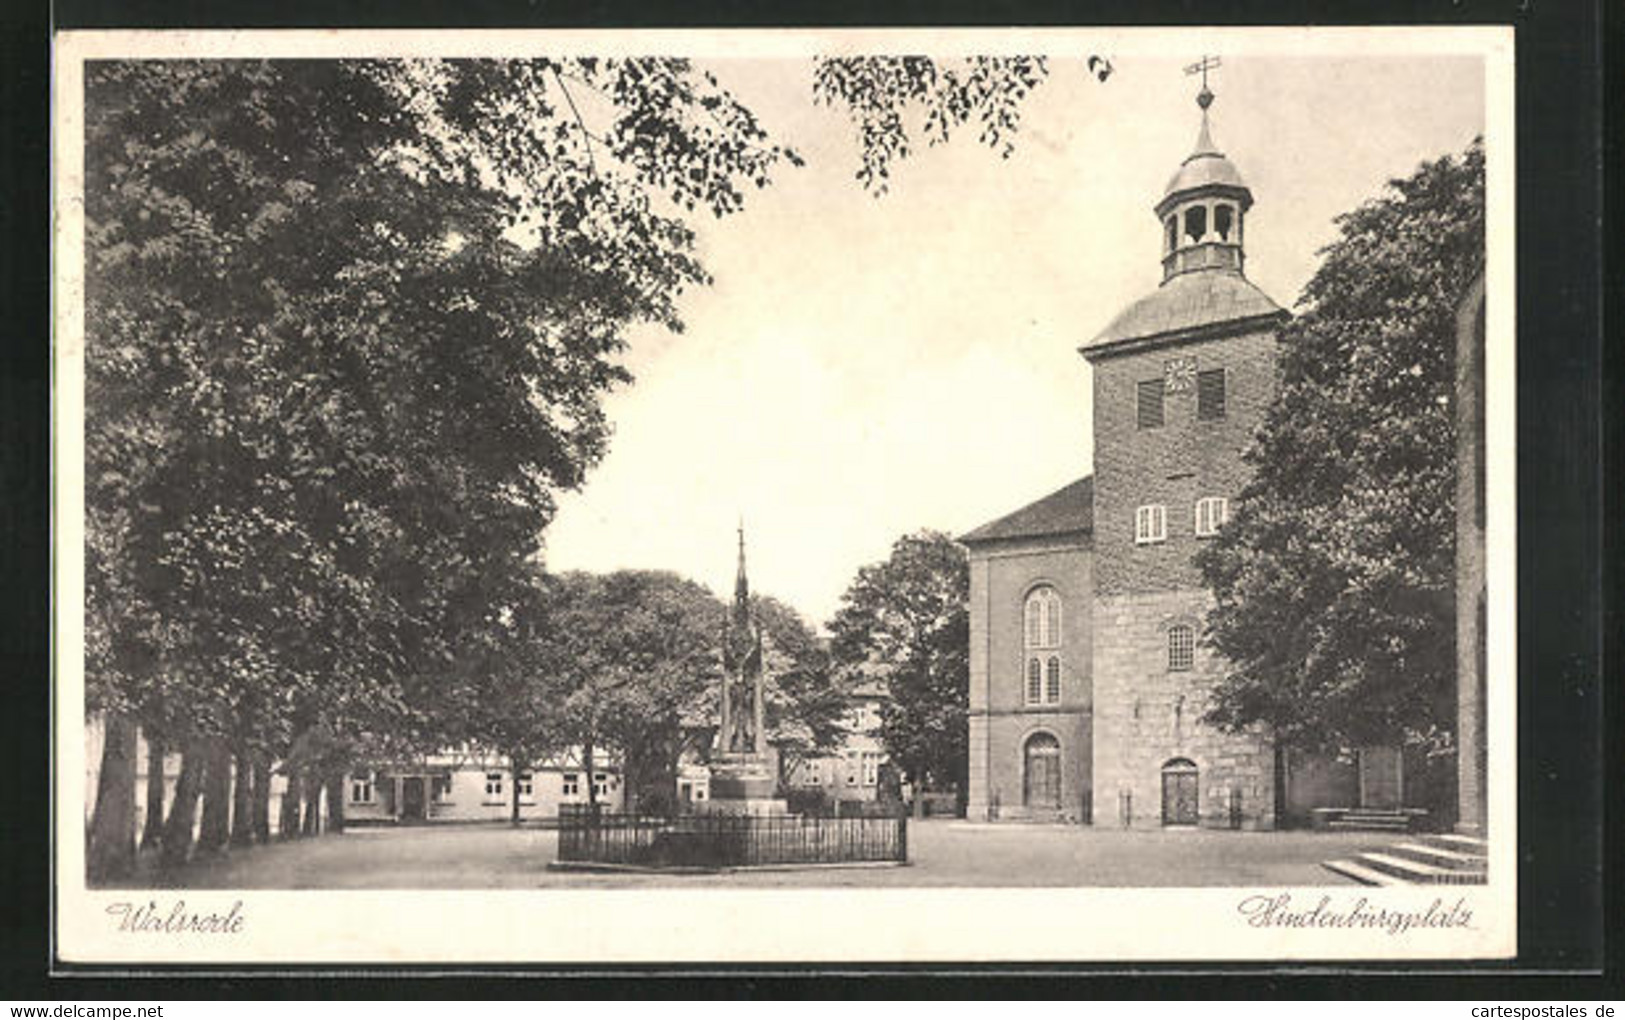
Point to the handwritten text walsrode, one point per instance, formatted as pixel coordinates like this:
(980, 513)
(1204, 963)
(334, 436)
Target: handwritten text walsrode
(177, 920)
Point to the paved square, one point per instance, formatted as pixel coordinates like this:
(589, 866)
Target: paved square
(942, 853)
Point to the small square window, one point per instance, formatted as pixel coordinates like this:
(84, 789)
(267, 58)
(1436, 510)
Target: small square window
(1150, 524)
(525, 784)
(1149, 413)
(493, 784)
(361, 790)
(571, 784)
(1210, 394)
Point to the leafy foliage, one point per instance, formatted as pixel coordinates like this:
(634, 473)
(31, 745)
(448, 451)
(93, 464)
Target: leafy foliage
(805, 703)
(639, 655)
(1334, 579)
(348, 325)
(883, 93)
(905, 621)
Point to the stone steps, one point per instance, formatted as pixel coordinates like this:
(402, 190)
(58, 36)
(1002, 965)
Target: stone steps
(1445, 859)
(1370, 825)
(1368, 819)
(1473, 843)
(1359, 872)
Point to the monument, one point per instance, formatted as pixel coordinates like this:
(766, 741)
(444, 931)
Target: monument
(743, 778)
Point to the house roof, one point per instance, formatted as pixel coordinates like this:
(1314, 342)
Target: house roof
(1186, 302)
(1064, 511)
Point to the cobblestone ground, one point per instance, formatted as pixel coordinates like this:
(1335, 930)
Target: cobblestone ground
(943, 853)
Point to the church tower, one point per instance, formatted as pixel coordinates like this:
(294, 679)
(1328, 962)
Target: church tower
(1181, 379)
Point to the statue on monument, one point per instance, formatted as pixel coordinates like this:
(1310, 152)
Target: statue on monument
(743, 717)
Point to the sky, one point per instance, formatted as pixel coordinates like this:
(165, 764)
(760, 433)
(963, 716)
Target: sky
(863, 368)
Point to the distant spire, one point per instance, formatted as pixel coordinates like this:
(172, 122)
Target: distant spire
(741, 585)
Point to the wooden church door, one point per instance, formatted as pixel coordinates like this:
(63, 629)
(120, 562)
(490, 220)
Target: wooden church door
(1180, 805)
(1042, 788)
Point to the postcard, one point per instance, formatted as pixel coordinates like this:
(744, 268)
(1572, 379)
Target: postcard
(769, 496)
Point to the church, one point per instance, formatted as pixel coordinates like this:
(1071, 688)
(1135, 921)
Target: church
(1089, 676)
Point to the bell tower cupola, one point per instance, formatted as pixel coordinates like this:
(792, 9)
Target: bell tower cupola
(1204, 208)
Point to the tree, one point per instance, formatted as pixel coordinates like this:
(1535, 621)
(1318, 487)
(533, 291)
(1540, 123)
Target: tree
(512, 700)
(1334, 578)
(348, 328)
(906, 622)
(805, 705)
(642, 650)
(885, 94)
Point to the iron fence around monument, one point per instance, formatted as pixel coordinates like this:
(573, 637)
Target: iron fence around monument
(727, 841)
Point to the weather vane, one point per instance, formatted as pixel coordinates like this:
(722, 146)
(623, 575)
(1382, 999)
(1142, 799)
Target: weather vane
(1202, 67)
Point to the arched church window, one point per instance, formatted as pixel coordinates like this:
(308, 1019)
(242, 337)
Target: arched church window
(1043, 618)
(1196, 222)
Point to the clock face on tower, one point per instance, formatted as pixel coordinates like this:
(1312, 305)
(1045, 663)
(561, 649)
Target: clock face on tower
(1178, 374)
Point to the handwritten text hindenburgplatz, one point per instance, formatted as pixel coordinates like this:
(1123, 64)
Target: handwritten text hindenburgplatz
(1278, 911)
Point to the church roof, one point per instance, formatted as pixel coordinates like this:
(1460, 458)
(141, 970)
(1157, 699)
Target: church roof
(1202, 169)
(1186, 302)
(1064, 511)
(1205, 166)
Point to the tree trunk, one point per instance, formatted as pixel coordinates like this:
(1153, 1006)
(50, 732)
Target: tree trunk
(513, 769)
(183, 811)
(335, 802)
(152, 827)
(592, 787)
(110, 849)
(312, 786)
(216, 830)
(262, 798)
(288, 817)
(242, 801)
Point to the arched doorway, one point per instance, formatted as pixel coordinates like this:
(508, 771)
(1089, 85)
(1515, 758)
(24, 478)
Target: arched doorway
(1180, 787)
(1041, 786)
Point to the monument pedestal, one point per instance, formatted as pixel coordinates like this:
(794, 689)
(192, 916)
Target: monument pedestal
(743, 784)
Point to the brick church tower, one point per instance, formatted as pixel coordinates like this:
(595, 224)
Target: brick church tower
(1181, 379)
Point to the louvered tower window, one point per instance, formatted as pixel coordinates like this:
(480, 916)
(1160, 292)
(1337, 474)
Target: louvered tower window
(1150, 404)
(1210, 394)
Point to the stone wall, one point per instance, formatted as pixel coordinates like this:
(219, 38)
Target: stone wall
(1000, 721)
(1176, 464)
(1146, 715)
(1007, 737)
